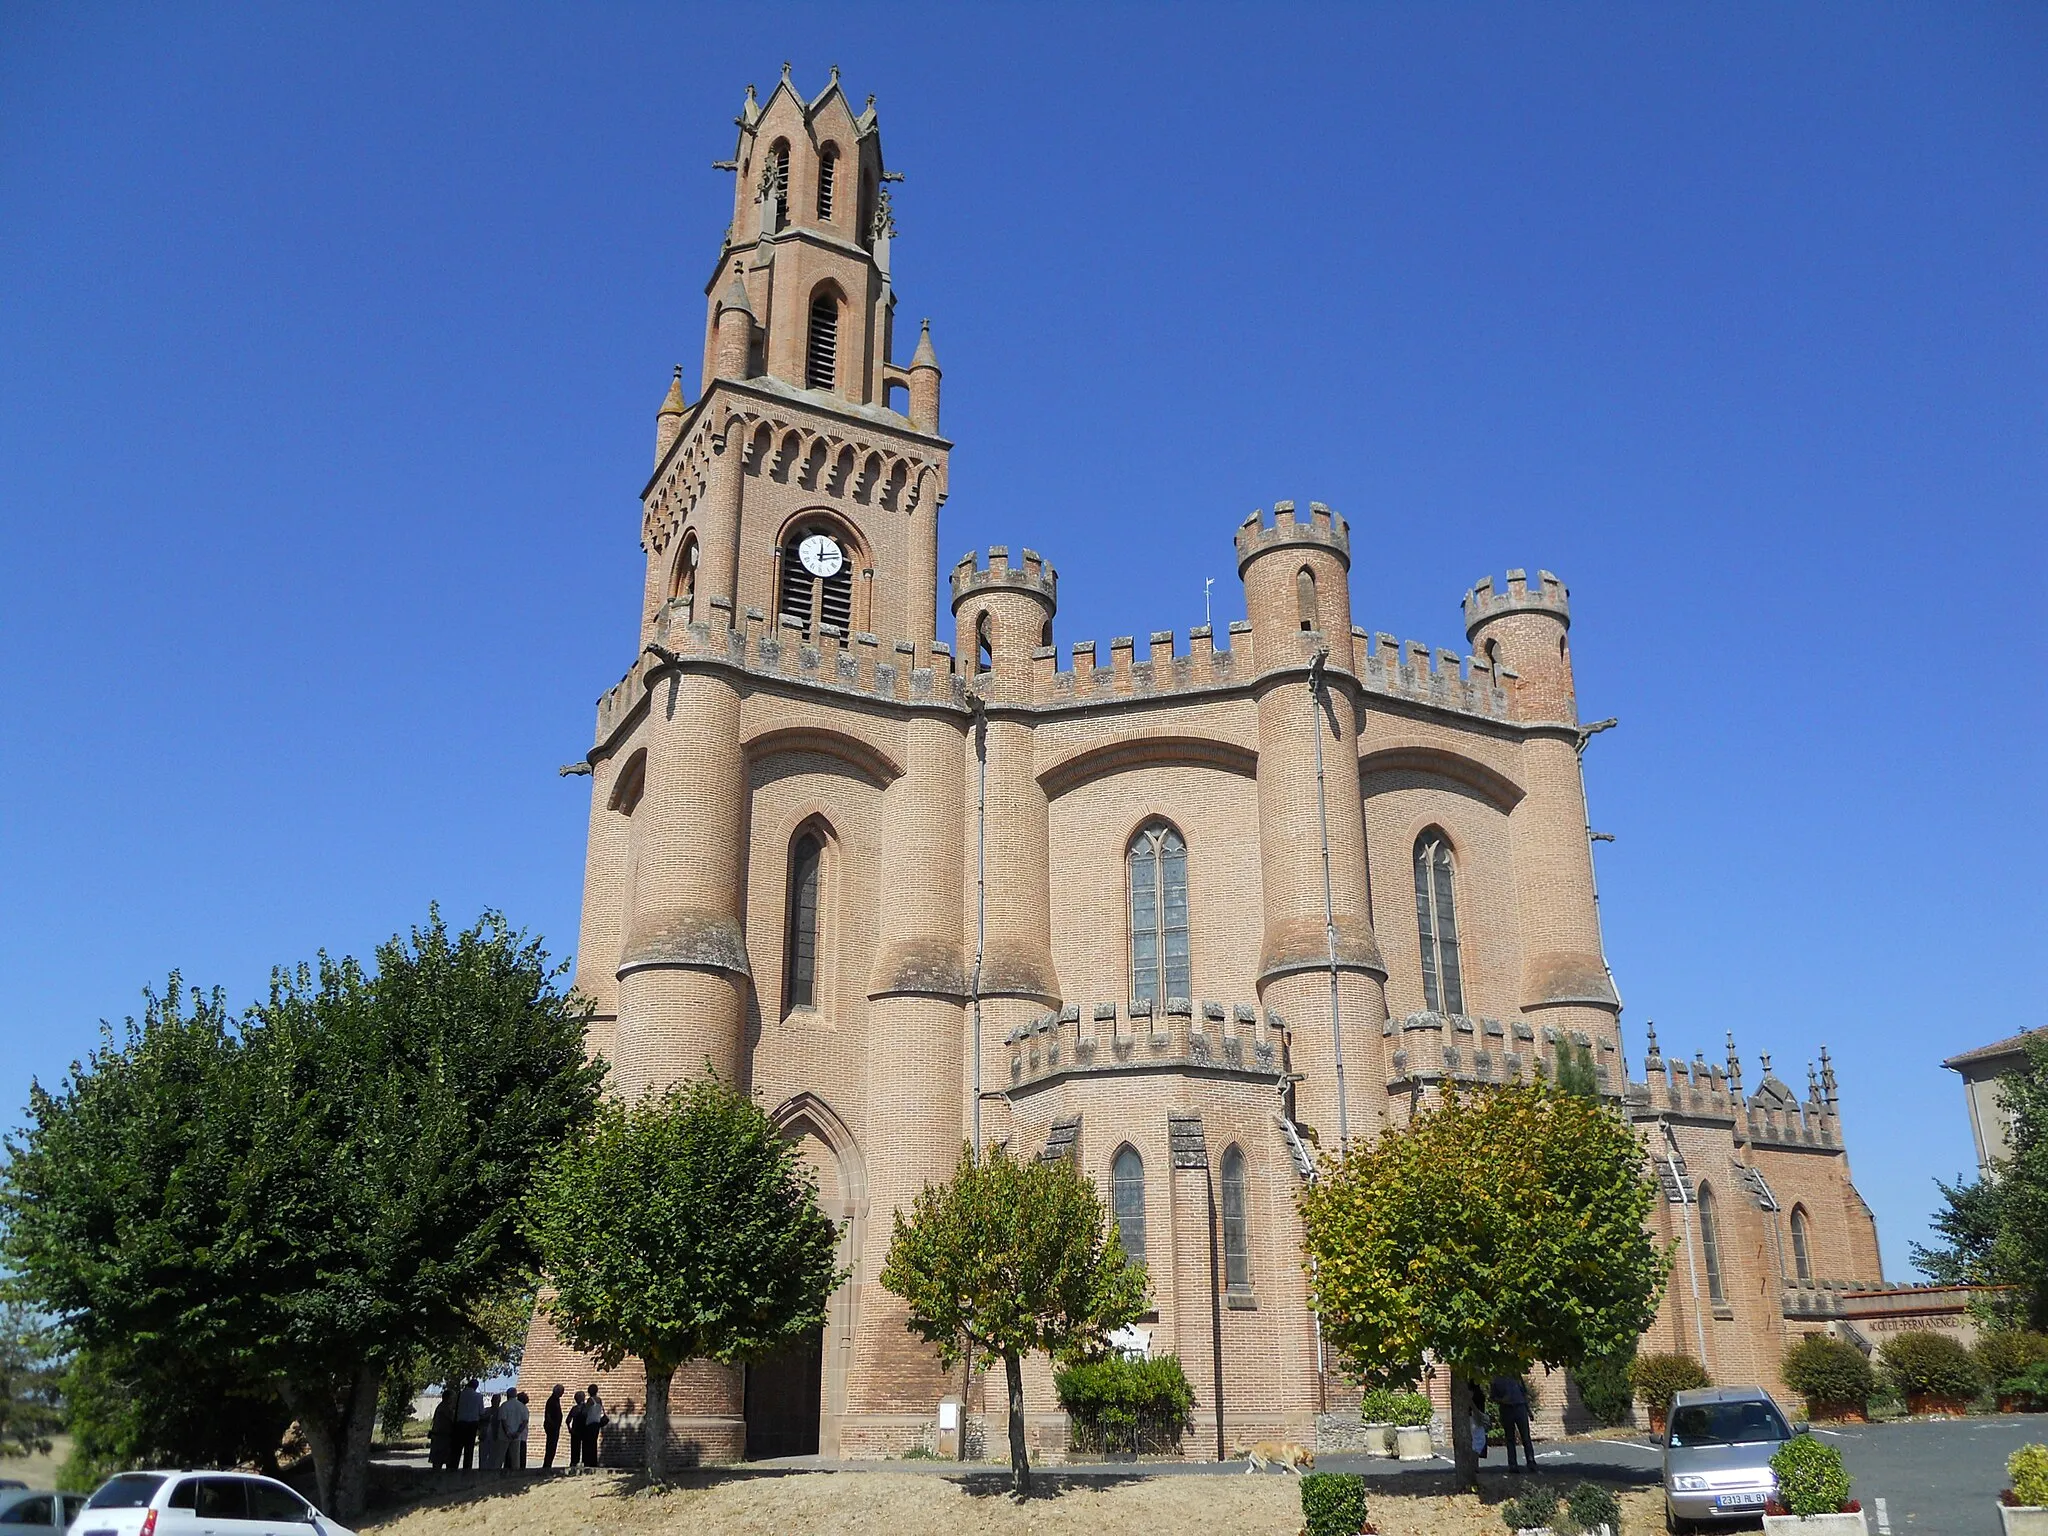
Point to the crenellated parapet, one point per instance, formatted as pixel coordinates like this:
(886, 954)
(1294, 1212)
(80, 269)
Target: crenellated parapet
(1773, 1116)
(1033, 574)
(1412, 669)
(1177, 1034)
(1428, 1047)
(1483, 603)
(859, 666)
(1323, 530)
(1161, 668)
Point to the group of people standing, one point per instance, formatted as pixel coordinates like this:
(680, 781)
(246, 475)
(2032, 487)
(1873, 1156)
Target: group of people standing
(1511, 1396)
(466, 1431)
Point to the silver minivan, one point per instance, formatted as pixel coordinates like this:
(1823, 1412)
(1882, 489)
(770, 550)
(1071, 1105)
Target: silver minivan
(199, 1504)
(1718, 1445)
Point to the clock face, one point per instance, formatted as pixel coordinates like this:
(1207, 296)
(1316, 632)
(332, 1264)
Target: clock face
(821, 555)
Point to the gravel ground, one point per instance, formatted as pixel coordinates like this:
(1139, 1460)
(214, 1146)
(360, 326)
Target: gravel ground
(973, 1504)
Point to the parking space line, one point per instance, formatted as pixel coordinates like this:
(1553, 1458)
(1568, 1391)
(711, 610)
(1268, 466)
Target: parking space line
(1884, 1520)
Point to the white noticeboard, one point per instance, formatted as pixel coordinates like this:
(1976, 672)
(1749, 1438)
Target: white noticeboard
(949, 1415)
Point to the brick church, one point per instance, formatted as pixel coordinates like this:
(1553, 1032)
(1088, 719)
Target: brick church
(1184, 910)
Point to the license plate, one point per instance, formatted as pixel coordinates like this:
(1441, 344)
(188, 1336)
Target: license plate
(1741, 1500)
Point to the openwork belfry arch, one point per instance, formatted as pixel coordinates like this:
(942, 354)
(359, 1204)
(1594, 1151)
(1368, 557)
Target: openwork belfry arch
(1157, 869)
(1436, 922)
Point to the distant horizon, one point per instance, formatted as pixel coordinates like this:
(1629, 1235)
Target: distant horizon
(337, 340)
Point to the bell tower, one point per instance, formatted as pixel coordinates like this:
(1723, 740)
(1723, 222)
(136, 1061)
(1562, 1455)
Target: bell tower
(804, 428)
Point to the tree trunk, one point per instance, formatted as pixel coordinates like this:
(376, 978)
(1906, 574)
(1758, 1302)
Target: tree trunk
(338, 1420)
(1462, 1454)
(1020, 1457)
(656, 1421)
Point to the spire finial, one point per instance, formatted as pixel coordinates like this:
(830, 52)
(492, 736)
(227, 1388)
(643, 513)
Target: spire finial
(1812, 1084)
(835, 74)
(785, 71)
(1827, 1079)
(672, 404)
(871, 101)
(1650, 1029)
(1765, 1057)
(750, 90)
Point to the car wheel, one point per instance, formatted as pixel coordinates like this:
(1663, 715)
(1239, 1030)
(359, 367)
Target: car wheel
(1675, 1524)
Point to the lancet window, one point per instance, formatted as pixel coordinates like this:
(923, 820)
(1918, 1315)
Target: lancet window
(1127, 1196)
(1237, 1245)
(1157, 864)
(806, 861)
(1710, 1245)
(1436, 920)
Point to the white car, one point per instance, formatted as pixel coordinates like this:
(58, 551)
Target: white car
(199, 1504)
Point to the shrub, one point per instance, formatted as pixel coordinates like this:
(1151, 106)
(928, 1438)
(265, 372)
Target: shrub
(1589, 1506)
(1828, 1373)
(2009, 1352)
(1532, 1511)
(1934, 1363)
(2028, 1469)
(1810, 1477)
(1333, 1503)
(1376, 1406)
(1659, 1378)
(1411, 1409)
(1110, 1399)
(2029, 1389)
(1604, 1388)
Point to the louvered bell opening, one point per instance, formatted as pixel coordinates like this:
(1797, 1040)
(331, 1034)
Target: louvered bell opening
(836, 601)
(821, 363)
(826, 167)
(796, 588)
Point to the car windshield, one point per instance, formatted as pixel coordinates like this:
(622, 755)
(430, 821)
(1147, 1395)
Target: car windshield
(131, 1490)
(1727, 1424)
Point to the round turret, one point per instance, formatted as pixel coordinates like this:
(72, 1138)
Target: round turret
(1523, 630)
(1297, 585)
(1002, 614)
(668, 421)
(924, 383)
(735, 332)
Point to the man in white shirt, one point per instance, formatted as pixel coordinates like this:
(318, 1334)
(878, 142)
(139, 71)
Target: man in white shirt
(513, 1416)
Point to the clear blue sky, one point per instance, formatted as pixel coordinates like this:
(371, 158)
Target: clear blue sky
(333, 338)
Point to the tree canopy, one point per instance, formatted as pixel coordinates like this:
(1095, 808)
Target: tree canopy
(1501, 1230)
(682, 1227)
(30, 1395)
(312, 1194)
(1011, 1258)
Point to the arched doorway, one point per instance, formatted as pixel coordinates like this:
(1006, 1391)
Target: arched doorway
(794, 1400)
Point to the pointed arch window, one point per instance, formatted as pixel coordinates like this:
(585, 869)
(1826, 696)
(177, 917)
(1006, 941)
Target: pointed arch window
(1436, 920)
(821, 357)
(1802, 1253)
(1237, 1245)
(1305, 598)
(810, 599)
(1127, 1196)
(828, 166)
(806, 862)
(984, 644)
(1710, 1245)
(1157, 865)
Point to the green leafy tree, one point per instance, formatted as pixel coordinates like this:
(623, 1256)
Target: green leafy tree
(681, 1228)
(1575, 1071)
(1995, 1232)
(311, 1198)
(31, 1402)
(127, 1407)
(1499, 1231)
(1008, 1258)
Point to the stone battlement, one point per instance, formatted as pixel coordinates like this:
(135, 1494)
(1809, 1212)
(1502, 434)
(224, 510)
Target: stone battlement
(859, 665)
(1111, 1037)
(1034, 575)
(1159, 670)
(1482, 602)
(1699, 1089)
(1324, 529)
(1452, 1047)
(1410, 669)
